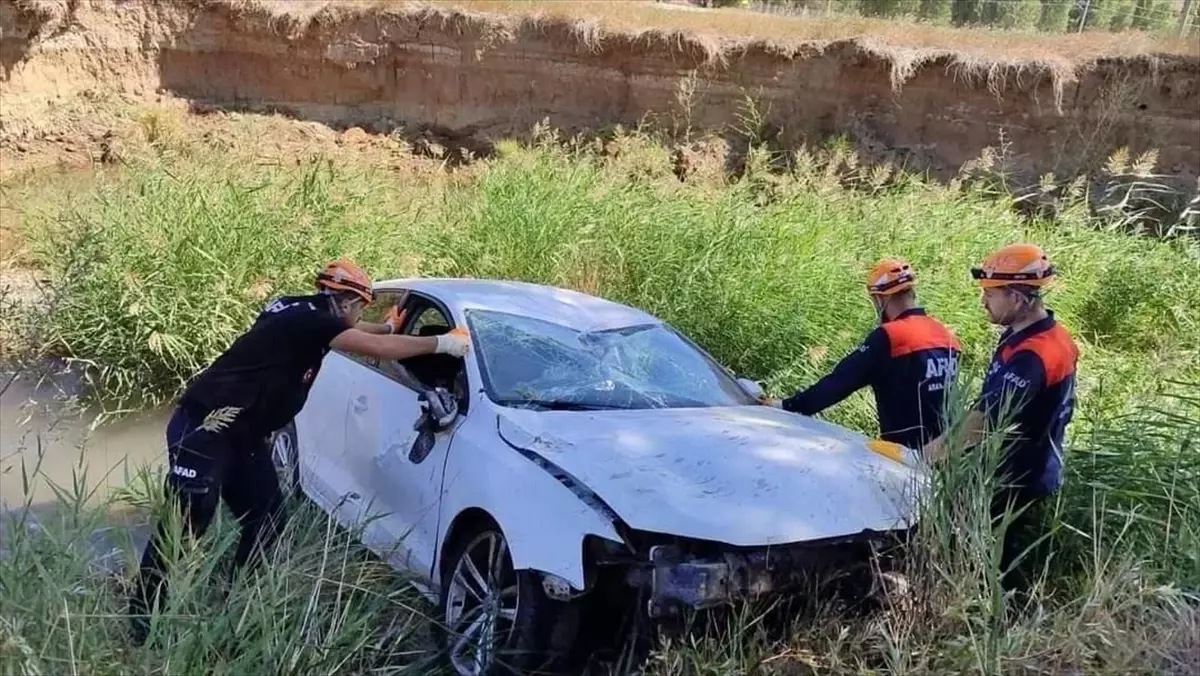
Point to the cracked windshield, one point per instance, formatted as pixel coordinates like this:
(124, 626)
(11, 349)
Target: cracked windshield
(530, 362)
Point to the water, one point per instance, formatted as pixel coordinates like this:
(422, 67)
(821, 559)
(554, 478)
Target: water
(61, 445)
(42, 426)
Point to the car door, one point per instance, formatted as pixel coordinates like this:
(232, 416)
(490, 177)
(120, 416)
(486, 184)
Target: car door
(400, 468)
(320, 434)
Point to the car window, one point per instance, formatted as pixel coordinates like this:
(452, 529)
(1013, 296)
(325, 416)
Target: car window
(375, 312)
(429, 321)
(423, 318)
(525, 360)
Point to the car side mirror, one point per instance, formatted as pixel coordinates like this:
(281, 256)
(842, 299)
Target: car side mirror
(751, 388)
(439, 408)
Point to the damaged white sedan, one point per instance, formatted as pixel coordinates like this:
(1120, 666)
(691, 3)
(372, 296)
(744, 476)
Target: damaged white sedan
(585, 458)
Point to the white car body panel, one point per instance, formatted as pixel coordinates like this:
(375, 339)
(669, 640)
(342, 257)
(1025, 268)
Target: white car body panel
(562, 306)
(751, 475)
(748, 475)
(320, 433)
(379, 434)
(354, 477)
(543, 520)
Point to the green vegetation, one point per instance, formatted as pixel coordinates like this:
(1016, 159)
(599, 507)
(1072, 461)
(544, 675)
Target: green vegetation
(935, 11)
(1018, 14)
(1151, 15)
(766, 273)
(1048, 16)
(1054, 17)
(884, 9)
(320, 604)
(158, 267)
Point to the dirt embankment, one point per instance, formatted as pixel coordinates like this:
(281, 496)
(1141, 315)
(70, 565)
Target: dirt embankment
(480, 76)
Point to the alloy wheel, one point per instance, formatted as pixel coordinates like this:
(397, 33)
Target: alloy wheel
(283, 457)
(481, 604)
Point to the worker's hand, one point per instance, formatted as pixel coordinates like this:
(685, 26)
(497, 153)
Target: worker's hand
(454, 343)
(768, 401)
(394, 319)
(934, 450)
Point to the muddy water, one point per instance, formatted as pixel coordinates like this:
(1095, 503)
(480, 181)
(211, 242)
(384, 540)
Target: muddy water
(42, 426)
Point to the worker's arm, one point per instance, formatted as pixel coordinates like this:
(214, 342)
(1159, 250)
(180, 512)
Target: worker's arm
(374, 329)
(1007, 393)
(390, 324)
(969, 434)
(399, 347)
(853, 372)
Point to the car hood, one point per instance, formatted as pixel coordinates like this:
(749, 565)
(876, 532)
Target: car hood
(745, 476)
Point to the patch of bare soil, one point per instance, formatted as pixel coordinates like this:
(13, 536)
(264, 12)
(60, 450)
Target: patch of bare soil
(472, 77)
(111, 135)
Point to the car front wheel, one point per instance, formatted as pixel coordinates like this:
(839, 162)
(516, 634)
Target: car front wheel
(496, 620)
(285, 456)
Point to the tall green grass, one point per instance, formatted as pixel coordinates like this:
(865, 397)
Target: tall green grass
(317, 603)
(157, 269)
(162, 267)
(1108, 597)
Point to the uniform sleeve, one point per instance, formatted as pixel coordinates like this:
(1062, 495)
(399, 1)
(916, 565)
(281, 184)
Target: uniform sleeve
(852, 373)
(1013, 388)
(320, 327)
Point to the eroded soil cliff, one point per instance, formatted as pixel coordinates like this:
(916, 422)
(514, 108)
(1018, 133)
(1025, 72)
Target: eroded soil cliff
(478, 77)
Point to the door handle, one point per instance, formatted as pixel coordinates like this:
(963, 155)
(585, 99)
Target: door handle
(360, 404)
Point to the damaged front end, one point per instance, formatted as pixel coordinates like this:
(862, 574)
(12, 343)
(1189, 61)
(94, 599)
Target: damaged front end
(675, 575)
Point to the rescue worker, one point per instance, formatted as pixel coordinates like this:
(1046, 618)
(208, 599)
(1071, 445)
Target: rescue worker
(1030, 385)
(909, 361)
(216, 437)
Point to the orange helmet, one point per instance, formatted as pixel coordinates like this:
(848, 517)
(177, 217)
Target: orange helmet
(343, 275)
(889, 276)
(1014, 264)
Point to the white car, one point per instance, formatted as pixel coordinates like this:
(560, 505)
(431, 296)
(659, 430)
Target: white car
(597, 459)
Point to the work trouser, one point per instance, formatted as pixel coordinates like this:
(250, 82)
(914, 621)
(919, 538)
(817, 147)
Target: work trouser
(1024, 538)
(205, 466)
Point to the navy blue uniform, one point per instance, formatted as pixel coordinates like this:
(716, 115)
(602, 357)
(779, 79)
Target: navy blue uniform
(908, 362)
(268, 370)
(1031, 380)
(261, 382)
(1030, 385)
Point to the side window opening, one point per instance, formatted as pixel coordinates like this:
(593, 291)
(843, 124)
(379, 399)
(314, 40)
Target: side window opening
(375, 312)
(423, 318)
(428, 322)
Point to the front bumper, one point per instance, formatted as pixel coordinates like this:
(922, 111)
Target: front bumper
(675, 580)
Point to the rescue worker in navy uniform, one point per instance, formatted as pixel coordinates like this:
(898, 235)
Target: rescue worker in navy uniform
(909, 361)
(1030, 384)
(216, 437)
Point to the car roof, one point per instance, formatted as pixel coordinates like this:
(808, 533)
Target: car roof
(576, 310)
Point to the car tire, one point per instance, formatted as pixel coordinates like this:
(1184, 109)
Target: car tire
(285, 457)
(531, 633)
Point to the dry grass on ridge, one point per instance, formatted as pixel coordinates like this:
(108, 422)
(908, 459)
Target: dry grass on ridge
(737, 25)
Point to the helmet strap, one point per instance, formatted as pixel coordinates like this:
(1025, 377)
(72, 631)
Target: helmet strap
(338, 300)
(1028, 309)
(881, 304)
